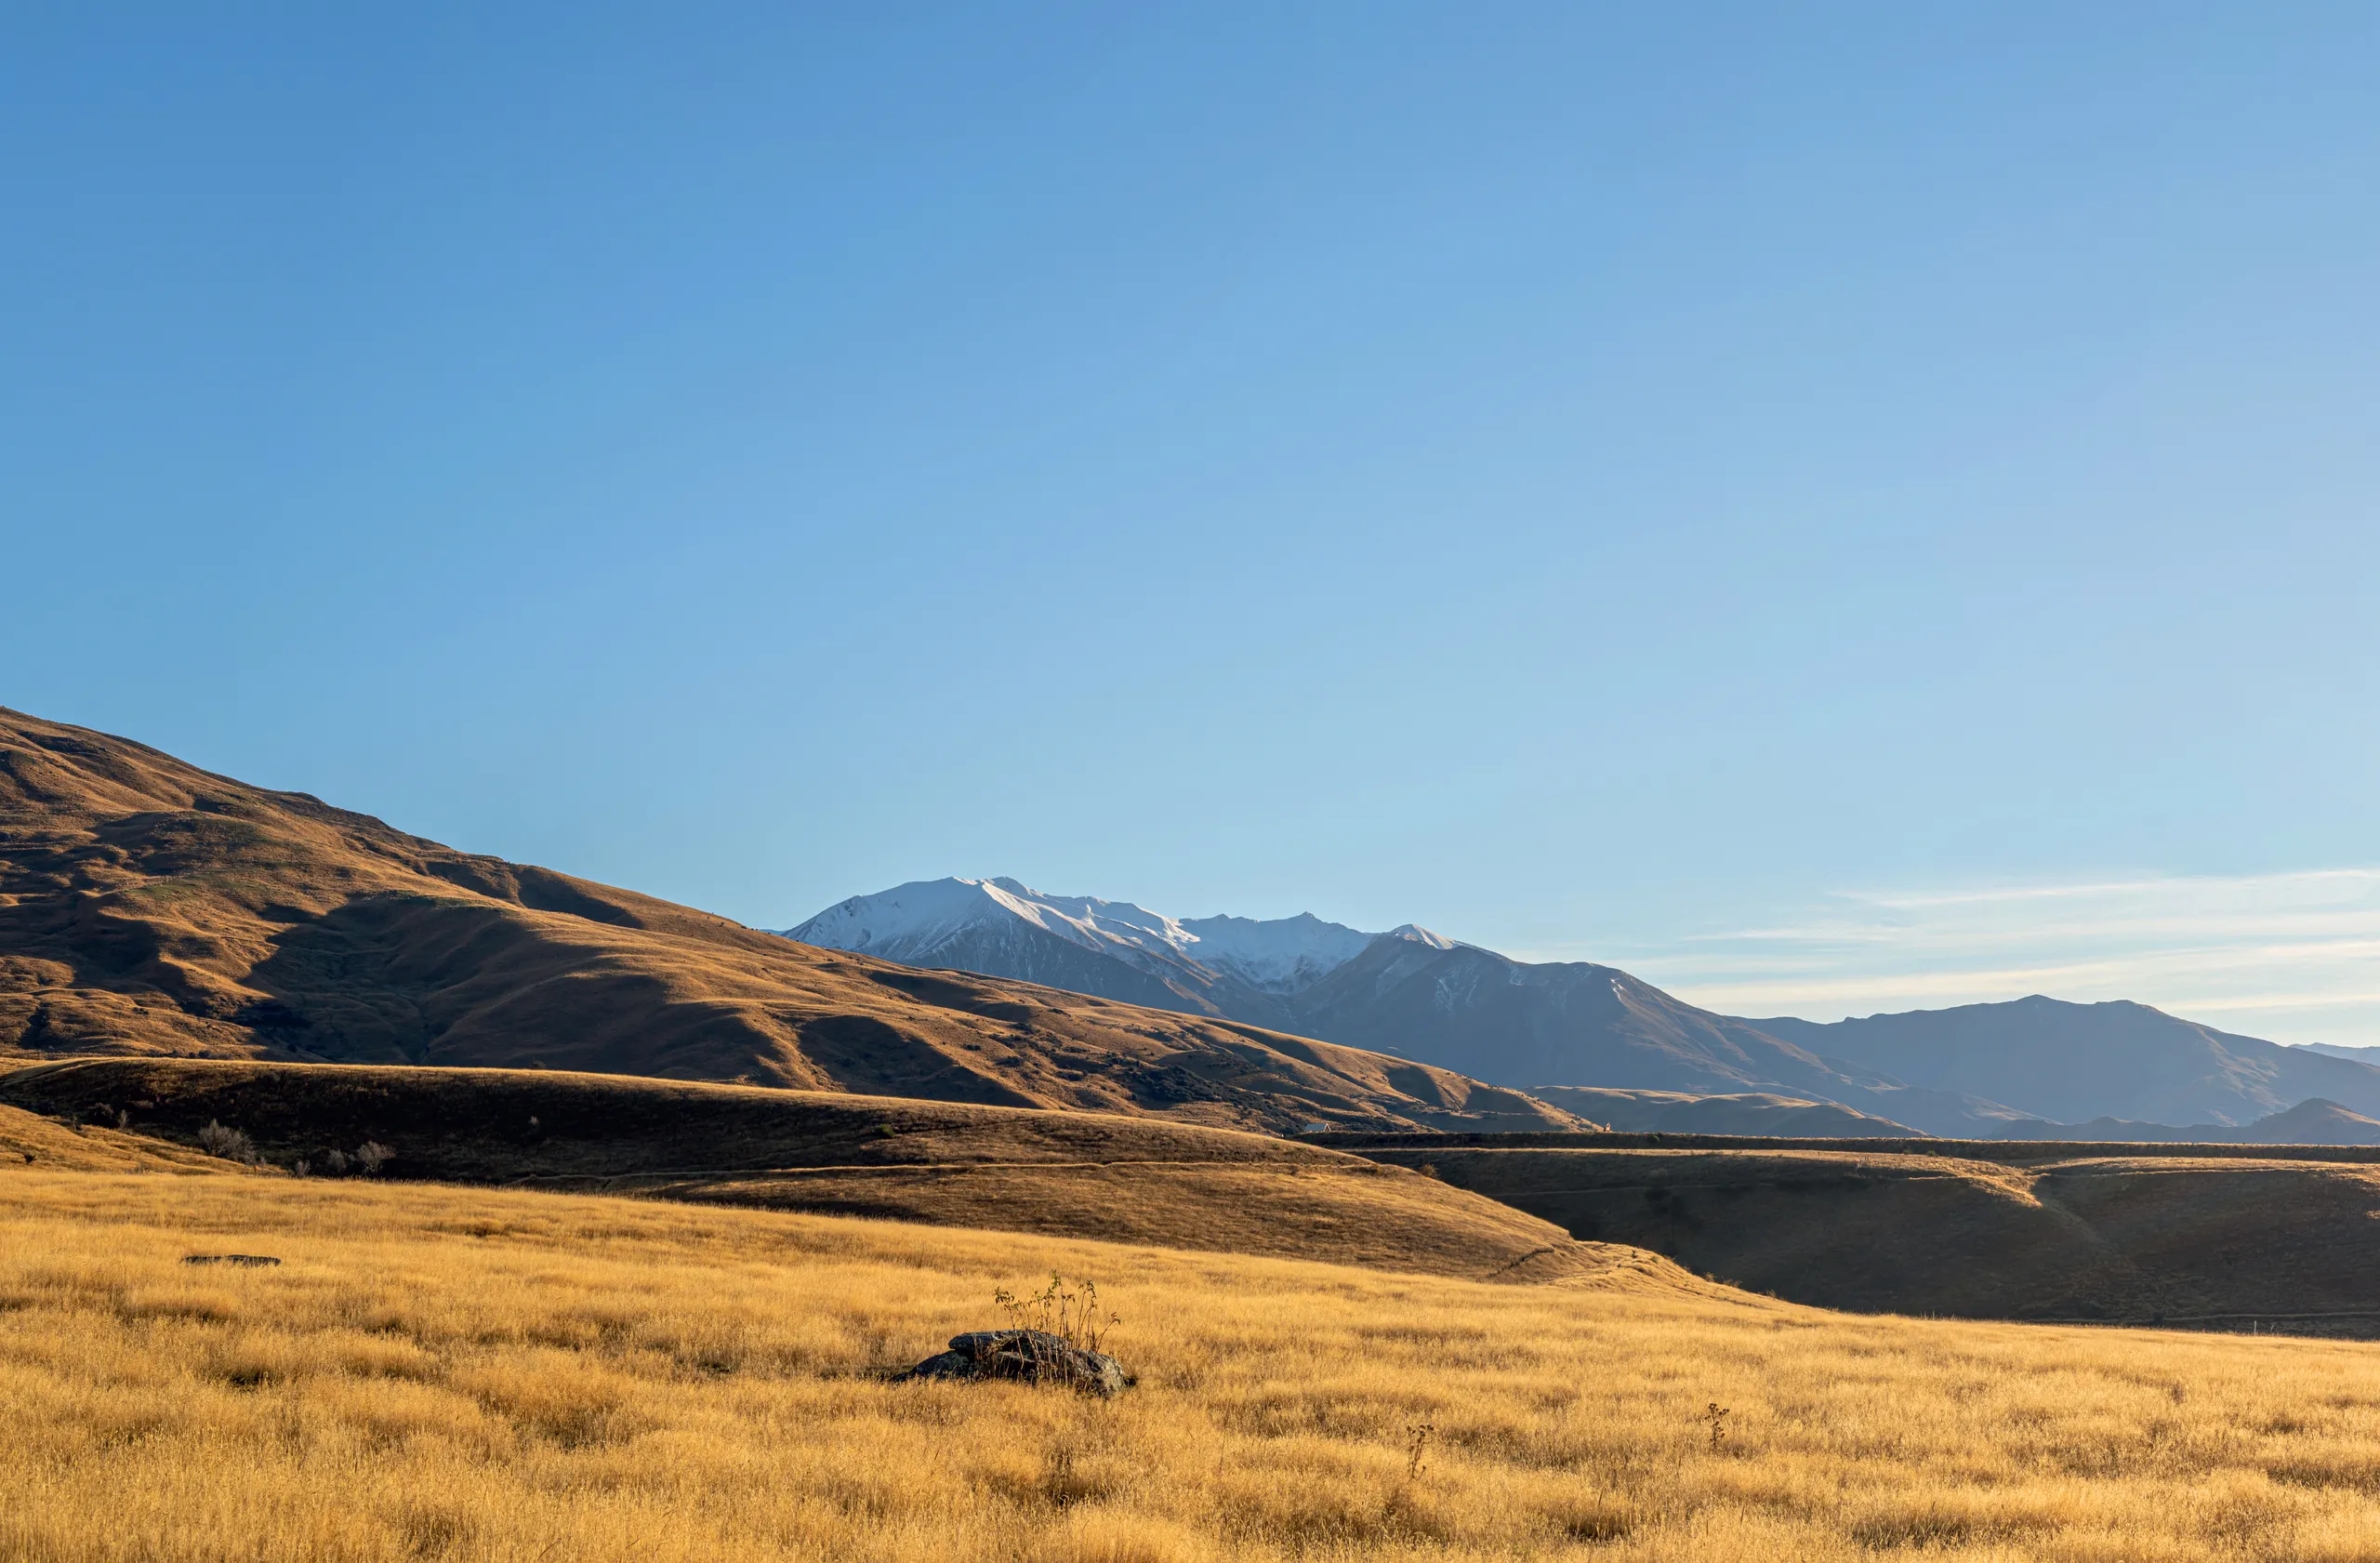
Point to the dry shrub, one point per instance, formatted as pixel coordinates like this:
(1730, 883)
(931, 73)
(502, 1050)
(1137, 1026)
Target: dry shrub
(1071, 1311)
(231, 1145)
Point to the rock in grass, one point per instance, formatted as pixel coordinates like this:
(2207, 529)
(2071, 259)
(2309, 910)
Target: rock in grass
(248, 1259)
(1032, 1355)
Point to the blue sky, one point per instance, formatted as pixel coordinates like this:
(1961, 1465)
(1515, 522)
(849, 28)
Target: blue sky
(1727, 492)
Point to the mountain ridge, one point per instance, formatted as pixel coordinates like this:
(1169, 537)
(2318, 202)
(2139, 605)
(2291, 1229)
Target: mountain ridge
(2311, 1122)
(1408, 991)
(1956, 1073)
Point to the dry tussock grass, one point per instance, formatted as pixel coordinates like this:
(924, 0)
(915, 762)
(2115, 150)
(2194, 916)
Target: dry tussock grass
(452, 1373)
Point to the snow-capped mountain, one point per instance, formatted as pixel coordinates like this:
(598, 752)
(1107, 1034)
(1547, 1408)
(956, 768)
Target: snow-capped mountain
(1234, 966)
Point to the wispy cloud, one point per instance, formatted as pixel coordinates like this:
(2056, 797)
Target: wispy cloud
(2293, 957)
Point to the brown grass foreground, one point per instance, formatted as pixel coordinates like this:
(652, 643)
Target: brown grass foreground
(461, 1373)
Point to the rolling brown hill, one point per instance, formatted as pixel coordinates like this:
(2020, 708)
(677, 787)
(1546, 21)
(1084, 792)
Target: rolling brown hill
(150, 907)
(2174, 1235)
(1142, 1180)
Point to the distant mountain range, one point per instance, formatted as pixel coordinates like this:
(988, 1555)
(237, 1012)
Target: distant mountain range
(2310, 1123)
(2069, 1063)
(1972, 1071)
(2339, 1050)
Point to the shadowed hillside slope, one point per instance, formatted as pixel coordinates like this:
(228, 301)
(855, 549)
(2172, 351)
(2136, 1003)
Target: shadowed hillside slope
(147, 907)
(1072, 1174)
(2221, 1240)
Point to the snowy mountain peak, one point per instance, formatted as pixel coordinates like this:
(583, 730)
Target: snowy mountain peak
(1420, 936)
(910, 921)
(915, 923)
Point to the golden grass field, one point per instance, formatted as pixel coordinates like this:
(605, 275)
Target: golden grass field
(440, 1372)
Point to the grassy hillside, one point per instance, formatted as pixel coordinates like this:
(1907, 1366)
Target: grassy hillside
(476, 1374)
(2234, 1242)
(1758, 1113)
(31, 1140)
(1084, 1174)
(148, 906)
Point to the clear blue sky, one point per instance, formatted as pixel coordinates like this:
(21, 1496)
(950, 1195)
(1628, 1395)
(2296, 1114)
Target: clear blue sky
(1583, 478)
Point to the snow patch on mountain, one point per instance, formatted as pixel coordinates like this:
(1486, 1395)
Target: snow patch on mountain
(1282, 955)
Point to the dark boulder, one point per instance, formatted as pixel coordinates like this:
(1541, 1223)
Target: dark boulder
(1031, 1355)
(250, 1261)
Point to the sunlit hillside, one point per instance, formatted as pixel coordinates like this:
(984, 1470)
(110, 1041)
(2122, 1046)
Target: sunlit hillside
(150, 907)
(437, 1372)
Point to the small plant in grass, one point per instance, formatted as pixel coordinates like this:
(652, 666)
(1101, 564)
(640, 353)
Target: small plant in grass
(1417, 1442)
(372, 1155)
(302, 1167)
(229, 1144)
(1071, 1312)
(1716, 1415)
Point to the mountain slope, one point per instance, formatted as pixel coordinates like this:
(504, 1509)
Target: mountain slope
(1571, 1022)
(2069, 1063)
(150, 907)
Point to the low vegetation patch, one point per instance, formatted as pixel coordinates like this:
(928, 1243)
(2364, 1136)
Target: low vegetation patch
(439, 1373)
